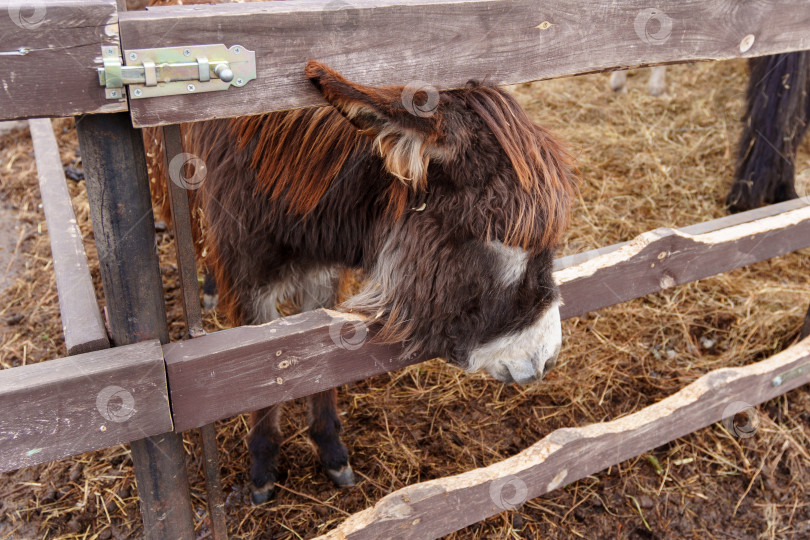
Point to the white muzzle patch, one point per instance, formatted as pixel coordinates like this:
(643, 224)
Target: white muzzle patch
(525, 356)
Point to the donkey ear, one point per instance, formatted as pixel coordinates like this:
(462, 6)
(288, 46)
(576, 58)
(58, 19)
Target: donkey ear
(412, 107)
(406, 121)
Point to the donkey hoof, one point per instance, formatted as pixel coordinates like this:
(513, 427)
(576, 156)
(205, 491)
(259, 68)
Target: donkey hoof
(261, 495)
(210, 302)
(343, 477)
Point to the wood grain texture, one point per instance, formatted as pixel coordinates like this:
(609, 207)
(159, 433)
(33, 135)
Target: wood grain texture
(123, 227)
(181, 226)
(663, 258)
(82, 324)
(448, 42)
(697, 228)
(314, 351)
(67, 406)
(187, 268)
(435, 508)
(49, 52)
(246, 368)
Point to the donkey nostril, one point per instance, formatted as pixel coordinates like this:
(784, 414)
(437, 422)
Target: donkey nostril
(549, 365)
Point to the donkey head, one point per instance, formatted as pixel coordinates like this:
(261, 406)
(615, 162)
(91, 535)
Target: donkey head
(460, 255)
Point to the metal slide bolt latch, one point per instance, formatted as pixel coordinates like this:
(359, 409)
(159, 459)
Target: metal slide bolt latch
(175, 70)
(224, 72)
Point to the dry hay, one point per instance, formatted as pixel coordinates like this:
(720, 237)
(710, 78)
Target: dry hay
(647, 163)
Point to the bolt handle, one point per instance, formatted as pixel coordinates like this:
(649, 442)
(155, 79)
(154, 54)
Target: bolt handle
(224, 72)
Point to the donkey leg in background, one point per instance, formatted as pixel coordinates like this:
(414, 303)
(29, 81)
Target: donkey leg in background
(618, 80)
(209, 290)
(658, 81)
(324, 431)
(656, 87)
(777, 110)
(264, 441)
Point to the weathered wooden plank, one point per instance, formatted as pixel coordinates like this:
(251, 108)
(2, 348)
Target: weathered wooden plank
(663, 258)
(286, 359)
(697, 228)
(82, 324)
(300, 355)
(67, 406)
(49, 50)
(448, 42)
(124, 230)
(432, 509)
(181, 226)
(187, 268)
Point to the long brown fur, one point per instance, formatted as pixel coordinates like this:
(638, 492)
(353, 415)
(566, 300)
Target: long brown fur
(418, 201)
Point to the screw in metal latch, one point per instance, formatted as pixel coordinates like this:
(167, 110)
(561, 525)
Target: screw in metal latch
(110, 50)
(133, 56)
(137, 92)
(187, 52)
(239, 82)
(237, 50)
(190, 87)
(114, 93)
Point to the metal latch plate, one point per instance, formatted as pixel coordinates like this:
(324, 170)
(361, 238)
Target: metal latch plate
(169, 71)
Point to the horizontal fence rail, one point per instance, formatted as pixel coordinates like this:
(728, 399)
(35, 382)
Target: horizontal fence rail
(697, 228)
(663, 258)
(448, 42)
(90, 401)
(49, 50)
(437, 507)
(82, 324)
(307, 353)
(314, 351)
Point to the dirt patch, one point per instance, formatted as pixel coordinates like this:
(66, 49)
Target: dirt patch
(647, 162)
(11, 236)
(12, 232)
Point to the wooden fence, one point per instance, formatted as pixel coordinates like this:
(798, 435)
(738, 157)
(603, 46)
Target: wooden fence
(50, 52)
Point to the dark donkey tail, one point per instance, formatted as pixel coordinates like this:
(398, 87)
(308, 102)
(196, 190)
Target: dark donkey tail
(776, 117)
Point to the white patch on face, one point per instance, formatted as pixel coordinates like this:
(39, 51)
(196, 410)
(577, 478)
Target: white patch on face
(525, 356)
(307, 290)
(512, 262)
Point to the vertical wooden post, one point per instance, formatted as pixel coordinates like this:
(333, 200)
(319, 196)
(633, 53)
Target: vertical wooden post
(121, 212)
(187, 267)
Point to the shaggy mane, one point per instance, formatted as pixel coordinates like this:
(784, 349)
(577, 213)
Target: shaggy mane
(306, 161)
(295, 163)
(544, 168)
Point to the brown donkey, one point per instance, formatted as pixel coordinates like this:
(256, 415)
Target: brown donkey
(452, 202)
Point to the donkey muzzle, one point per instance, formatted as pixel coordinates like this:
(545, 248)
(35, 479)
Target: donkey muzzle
(525, 356)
